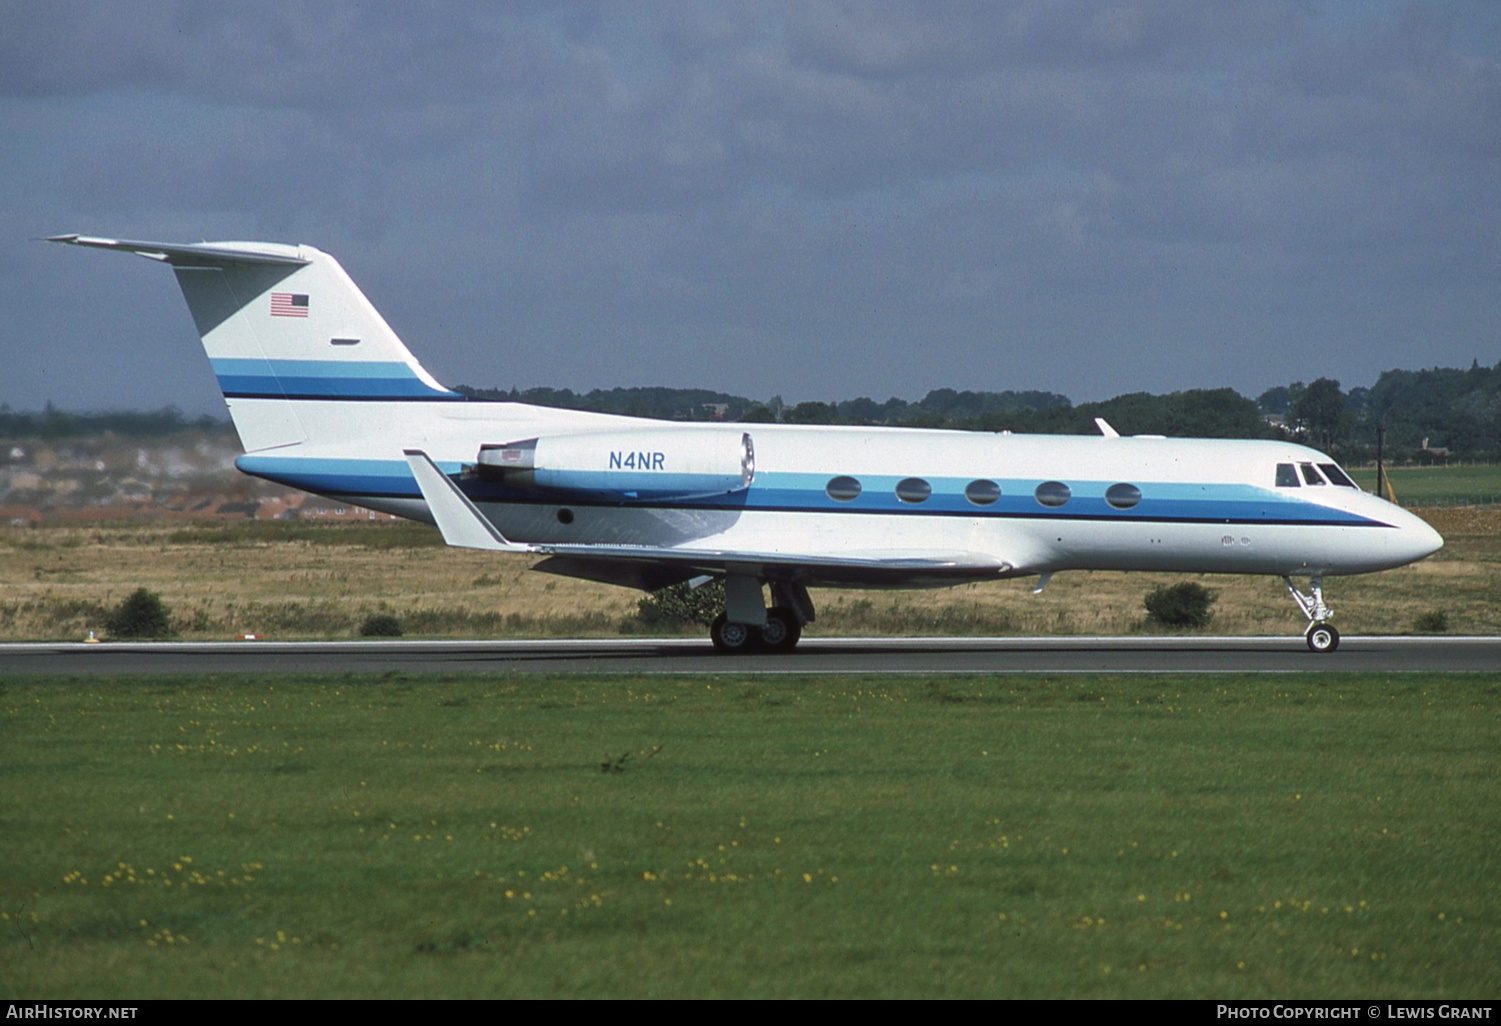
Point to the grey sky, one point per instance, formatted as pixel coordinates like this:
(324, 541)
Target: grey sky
(815, 200)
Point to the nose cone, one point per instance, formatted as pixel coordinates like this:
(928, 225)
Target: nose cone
(1417, 539)
(1425, 540)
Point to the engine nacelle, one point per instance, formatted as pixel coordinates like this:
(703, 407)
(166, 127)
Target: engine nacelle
(625, 466)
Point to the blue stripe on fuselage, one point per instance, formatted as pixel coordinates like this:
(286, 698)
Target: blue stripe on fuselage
(804, 493)
(321, 379)
(1161, 501)
(386, 478)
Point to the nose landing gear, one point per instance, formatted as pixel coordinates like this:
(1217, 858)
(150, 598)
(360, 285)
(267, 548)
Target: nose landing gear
(1322, 637)
(1320, 633)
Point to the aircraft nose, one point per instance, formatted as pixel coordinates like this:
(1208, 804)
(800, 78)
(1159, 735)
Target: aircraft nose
(1419, 539)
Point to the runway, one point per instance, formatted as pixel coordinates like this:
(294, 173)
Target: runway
(813, 656)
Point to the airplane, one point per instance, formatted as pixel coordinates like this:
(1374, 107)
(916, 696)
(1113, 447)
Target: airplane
(326, 398)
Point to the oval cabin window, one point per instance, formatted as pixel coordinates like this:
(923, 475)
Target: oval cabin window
(843, 489)
(913, 489)
(1123, 496)
(982, 493)
(1053, 493)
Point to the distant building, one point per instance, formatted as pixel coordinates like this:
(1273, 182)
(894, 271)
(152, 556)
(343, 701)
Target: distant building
(316, 508)
(20, 516)
(245, 509)
(27, 481)
(1432, 453)
(197, 506)
(279, 508)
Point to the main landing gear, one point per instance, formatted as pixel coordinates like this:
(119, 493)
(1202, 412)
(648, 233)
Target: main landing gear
(781, 633)
(1320, 634)
(736, 631)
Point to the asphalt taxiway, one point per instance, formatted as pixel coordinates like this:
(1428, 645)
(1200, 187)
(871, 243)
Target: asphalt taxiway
(814, 655)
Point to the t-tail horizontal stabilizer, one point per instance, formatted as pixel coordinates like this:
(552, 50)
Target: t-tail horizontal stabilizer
(195, 254)
(462, 524)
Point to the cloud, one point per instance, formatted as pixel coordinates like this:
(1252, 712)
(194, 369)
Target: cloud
(768, 197)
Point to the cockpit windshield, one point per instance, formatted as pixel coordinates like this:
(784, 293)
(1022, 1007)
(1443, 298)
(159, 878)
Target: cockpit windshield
(1295, 475)
(1336, 476)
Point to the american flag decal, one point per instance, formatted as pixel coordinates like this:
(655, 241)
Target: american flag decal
(288, 304)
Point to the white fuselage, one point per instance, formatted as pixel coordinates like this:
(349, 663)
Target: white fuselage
(1203, 505)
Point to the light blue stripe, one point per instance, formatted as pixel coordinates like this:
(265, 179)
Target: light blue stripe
(329, 388)
(334, 379)
(238, 366)
(1160, 500)
(338, 477)
(804, 493)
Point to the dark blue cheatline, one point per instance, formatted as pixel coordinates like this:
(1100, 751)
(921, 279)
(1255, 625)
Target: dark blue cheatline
(808, 493)
(323, 380)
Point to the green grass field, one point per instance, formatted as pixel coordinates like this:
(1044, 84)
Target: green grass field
(1466, 485)
(1009, 836)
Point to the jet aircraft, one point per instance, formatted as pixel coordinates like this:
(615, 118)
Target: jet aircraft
(326, 398)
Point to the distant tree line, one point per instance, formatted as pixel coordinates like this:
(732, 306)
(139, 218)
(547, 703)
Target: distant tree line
(53, 424)
(656, 402)
(1203, 413)
(1446, 408)
(1421, 412)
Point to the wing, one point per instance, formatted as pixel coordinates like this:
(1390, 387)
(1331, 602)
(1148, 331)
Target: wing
(651, 567)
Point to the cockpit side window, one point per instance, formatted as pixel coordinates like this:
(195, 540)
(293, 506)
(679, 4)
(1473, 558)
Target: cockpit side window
(1337, 476)
(1310, 476)
(1287, 476)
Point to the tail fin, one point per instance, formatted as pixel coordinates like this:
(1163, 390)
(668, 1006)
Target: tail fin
(282, 326)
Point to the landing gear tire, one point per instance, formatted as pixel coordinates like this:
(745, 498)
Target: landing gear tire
(782, 631)
(1320, 633)
(1322, 637)
(733, 638)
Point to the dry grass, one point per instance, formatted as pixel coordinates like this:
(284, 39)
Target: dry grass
(322, 581)
(57, 580)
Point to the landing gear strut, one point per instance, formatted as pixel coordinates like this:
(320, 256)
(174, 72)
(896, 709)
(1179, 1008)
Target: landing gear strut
(1320, 634)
